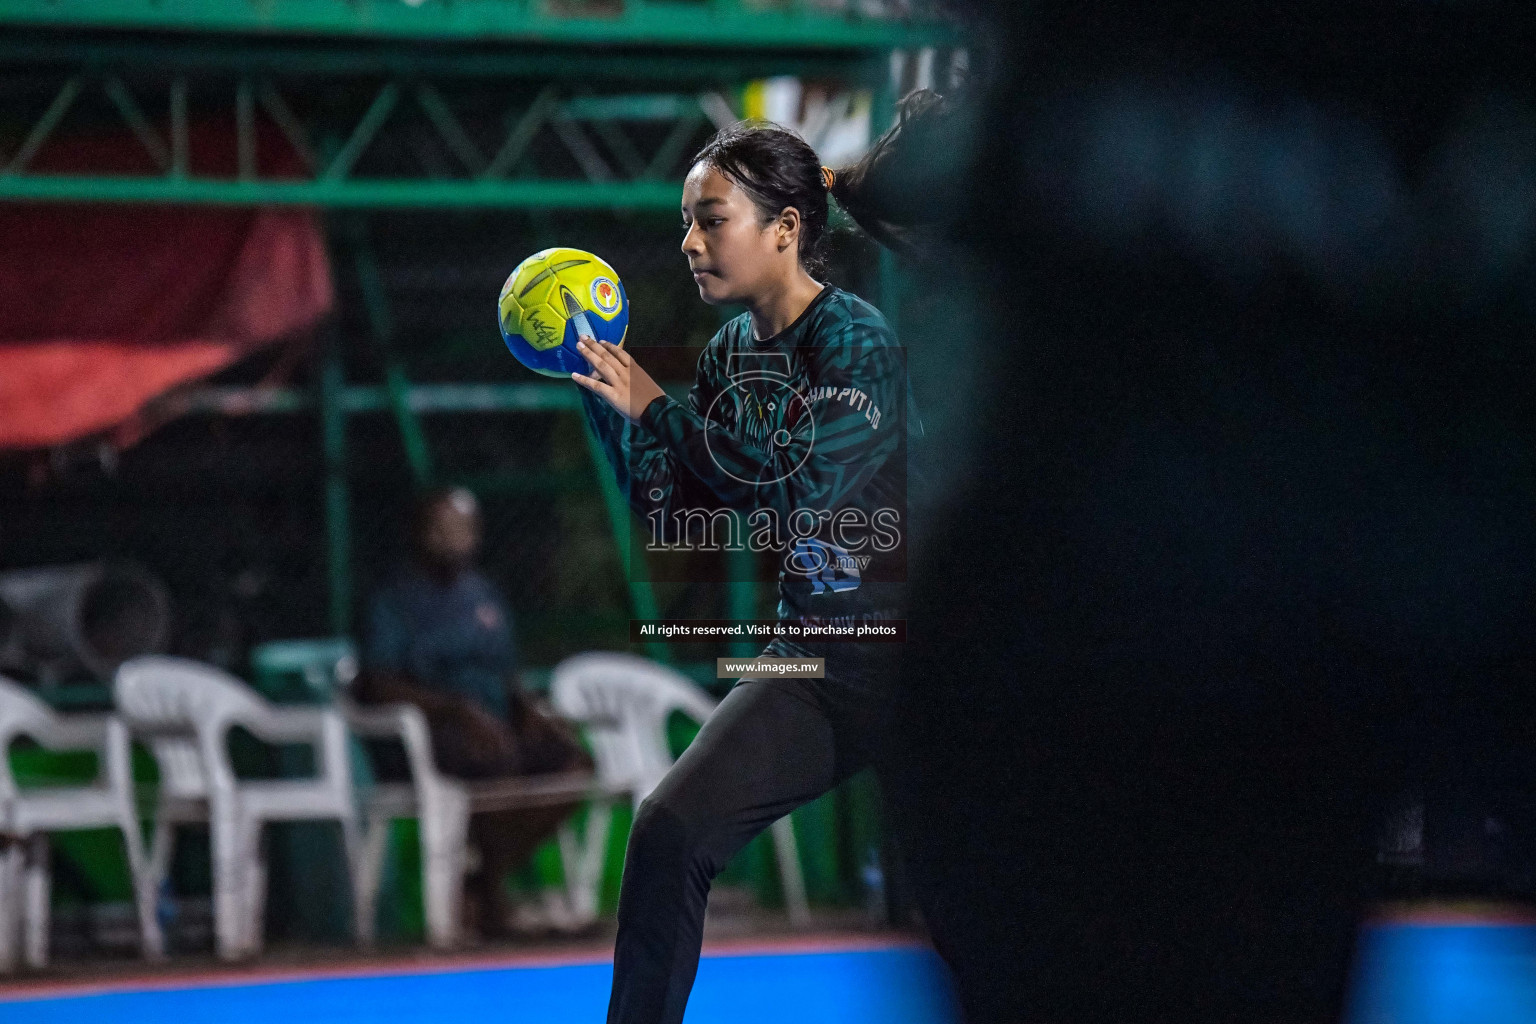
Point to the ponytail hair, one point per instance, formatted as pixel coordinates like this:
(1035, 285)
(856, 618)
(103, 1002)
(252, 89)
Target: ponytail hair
(906, 184)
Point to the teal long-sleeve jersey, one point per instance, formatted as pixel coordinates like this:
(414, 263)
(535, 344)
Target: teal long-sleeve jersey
(805, 435)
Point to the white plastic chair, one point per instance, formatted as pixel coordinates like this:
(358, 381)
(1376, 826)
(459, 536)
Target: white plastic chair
(28, 815)
(624, 702)
(185, 710)
(442, 806)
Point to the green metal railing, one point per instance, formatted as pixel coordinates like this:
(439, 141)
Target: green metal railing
(580, 79)
(709, 23)
(491, 171)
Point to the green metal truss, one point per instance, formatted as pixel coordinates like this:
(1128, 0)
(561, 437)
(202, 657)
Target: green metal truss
(768, 24)
(510, 142)
(484, 163)
(621, 97)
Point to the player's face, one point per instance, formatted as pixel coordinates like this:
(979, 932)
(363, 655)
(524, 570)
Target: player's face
(729, 249)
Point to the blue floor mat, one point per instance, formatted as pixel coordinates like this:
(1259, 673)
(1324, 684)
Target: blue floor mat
(883, 986)
(1446, 974)
(1407, 974)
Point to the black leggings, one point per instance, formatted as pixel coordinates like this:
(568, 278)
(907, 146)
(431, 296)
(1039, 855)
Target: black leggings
(770, 746)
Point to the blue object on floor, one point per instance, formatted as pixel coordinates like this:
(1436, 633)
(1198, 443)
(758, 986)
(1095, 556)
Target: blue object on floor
(1445, 974)
(900, 985)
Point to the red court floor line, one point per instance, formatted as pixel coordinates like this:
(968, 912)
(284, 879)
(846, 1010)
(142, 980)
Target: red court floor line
(798, 945)
(1448, 915)
(235, 976)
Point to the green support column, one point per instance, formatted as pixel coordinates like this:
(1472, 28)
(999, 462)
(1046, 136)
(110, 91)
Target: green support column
(412, 437)
(338, 525)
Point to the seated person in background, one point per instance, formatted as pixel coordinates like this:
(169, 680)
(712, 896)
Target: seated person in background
(439, 636)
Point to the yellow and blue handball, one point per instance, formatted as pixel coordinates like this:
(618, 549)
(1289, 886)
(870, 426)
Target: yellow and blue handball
(554, 297)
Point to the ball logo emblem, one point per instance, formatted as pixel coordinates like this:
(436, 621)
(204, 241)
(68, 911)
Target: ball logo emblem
(605, 295)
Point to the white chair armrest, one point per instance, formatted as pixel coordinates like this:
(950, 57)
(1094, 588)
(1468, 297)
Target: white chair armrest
(107, 735)
(75, 732)
(596, 721)
(322, 728)
(382, 721)
(404, 722)
(285, 724)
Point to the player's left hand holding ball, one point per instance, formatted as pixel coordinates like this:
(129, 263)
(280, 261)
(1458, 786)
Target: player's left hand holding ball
(616, 378)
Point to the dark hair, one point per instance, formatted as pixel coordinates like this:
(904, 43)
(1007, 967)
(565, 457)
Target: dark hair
(776, 169)
(910, 181)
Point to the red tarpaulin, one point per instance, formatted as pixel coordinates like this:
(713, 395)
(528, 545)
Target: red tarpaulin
(102, 308)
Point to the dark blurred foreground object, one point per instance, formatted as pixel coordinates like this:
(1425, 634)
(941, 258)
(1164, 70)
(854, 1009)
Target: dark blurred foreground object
(60, 621)
(1243, 544)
